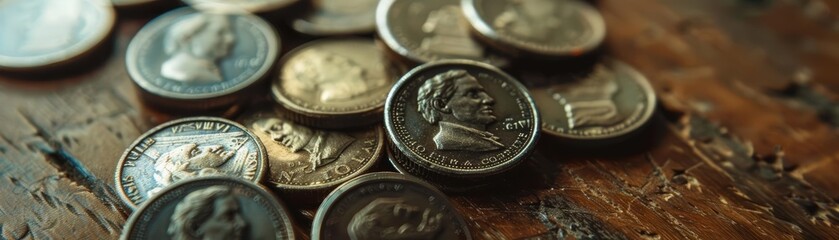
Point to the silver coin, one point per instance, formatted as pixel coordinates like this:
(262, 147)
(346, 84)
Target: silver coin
(425, 31)
(186, 148)
(254, 6)
(462, 118)
(611, 101)
(388, 205)
(211, 208)
(45, 33)
(204, 58)
(548, 28)
(334, 83)
(338, 17)
(309, 161)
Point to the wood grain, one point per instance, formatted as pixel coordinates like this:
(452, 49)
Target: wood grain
(742, 146)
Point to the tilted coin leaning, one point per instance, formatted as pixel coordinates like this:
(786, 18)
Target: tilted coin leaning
(461, 118)
(429, 30)
(46, 33)
(611, 101)
(307, 161)
(211, 208)
(191, 59)
(186, 148)
(537, 28)
(388, 205)
(334, 83)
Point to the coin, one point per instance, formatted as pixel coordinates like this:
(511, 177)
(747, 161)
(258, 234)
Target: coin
(388, 205)
(461, 118)
(211, 208)
(334, 83)
(611, 101)
(312, 160)
(546, 28)
(190, 59)
(425, 31)
(185, 148)
(130, 3)
(37, 34)
(445, 183)
(338, 17)
(254, 6)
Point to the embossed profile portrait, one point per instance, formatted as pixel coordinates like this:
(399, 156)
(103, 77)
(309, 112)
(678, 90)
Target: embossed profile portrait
(188, 160)
(194, 45)
(531, 19)
(393, 218)
(210, 213)
(589, 103)
(459, 105)
(323, 147)
(447, 33)
(331, 77)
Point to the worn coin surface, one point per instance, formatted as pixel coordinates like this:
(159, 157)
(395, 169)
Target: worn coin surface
(205, 57)
(310, 159)
(255, 6)
(338, 17)
(609, 102)
(334, 83)
(216, 207)
(185, 148)
(44, 33)
(387, 205)
(546, 28)
(424, 31)
(462, 118)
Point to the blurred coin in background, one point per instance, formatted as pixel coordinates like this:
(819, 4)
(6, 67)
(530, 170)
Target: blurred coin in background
(196, 60)
(37, 34)
(253, 6)
(537, 28)
(211, 208)
(338, 17)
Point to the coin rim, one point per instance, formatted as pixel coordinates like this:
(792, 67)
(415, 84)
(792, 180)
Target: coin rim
(490, 36)
(646, 88)
(286, 102)
(158, 23)
(262, 190)
(353, 184)
(530, 145)
(252, 7)
(67, 54)
(118, 173)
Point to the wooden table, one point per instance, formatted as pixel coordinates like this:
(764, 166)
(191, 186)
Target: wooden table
(743, 145)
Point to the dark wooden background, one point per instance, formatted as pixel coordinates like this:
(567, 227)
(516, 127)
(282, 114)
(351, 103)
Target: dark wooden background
(744, 144)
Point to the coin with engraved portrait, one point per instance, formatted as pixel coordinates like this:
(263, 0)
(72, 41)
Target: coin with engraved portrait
(386, 205)
(546, 28)
(430, 30)
(312, 160)
(334, 83)
(37, 34)
(201, 59)
(461, 118)
(186, 148)
(254, 6)
(610, 101)
(337, 17)
(214, 207)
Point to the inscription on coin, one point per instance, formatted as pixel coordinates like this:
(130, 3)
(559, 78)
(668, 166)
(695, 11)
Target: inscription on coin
(211, 208)
(461, 117)
(184, 149)
(40, 33)
(424, 31)
(306, 158)
(542, 27)
(387, 206)
(185, 54)
(610, 101)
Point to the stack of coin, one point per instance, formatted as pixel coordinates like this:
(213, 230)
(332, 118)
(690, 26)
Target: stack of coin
(336, 105)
